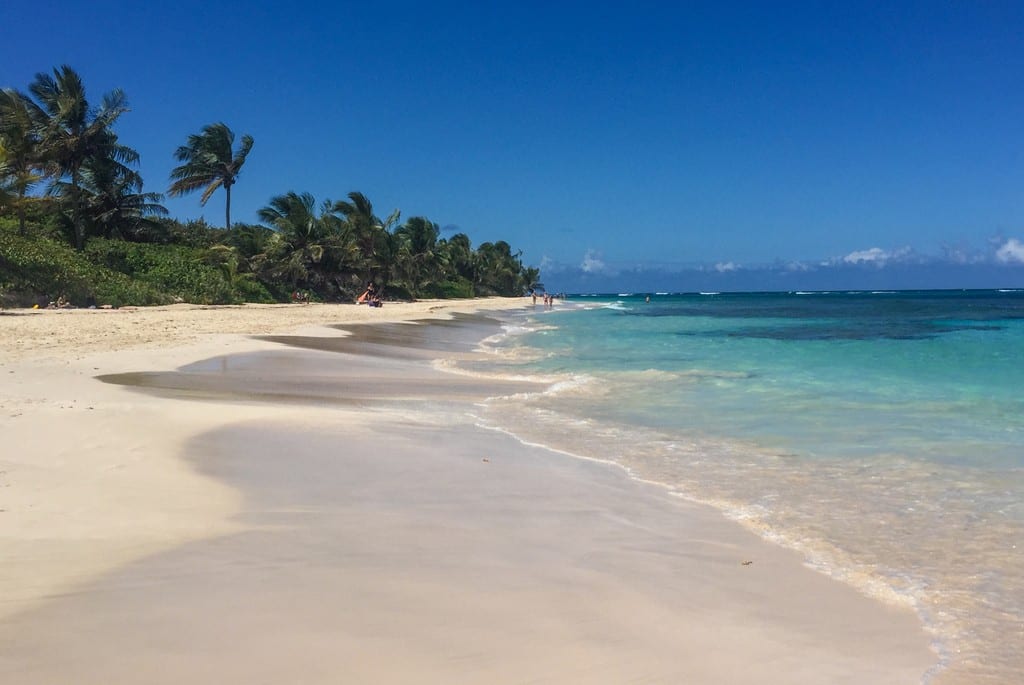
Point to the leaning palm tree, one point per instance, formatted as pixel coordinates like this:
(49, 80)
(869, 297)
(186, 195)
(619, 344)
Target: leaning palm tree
(74, 133)
(210, 162)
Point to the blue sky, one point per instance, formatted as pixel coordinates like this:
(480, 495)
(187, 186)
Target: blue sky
(639, 146)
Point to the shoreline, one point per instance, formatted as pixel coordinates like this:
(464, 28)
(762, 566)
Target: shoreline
(42, 333)
(785, 596)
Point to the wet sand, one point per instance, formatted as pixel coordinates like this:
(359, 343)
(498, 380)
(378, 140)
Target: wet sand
(380, 536)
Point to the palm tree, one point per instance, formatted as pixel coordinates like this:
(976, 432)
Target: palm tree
(529, 278)
(314, 248)
(117, 207)
(233, 269)
(20, 123)
(459, 256)
(73, 132)
(370, 232)
(498, 270)
(417, 253)
(294, 217)
(210, 162)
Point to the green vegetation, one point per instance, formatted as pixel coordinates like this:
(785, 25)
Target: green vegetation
(75, 223)
(210, 163)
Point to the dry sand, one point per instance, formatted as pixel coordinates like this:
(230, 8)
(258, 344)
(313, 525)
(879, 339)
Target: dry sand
(148, 539)
(67, 334)
(91, 474)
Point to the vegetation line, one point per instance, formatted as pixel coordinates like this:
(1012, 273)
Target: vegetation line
(76, 225)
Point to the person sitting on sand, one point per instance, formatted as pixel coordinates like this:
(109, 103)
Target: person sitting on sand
(369, 295)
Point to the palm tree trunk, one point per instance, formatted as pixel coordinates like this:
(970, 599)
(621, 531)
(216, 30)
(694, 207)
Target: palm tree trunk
(21, 213)
(227, 206)
(76, 213)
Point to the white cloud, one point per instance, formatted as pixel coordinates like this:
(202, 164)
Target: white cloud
(1011, 251)
(723, 267)
(878, 257)
(592, 263)
(875, 255)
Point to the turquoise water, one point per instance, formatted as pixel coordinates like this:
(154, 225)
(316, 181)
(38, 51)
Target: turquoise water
(880, 434)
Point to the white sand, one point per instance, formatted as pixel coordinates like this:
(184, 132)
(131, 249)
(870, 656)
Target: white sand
(90, 473)
(407, 559)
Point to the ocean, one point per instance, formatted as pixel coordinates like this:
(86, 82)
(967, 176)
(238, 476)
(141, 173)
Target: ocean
(880, 434)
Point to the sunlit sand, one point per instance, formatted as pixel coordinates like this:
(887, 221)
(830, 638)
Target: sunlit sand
(310, 507)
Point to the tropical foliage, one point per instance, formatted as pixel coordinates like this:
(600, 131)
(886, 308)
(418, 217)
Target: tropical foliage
(210, 162)
(76, 138)
(20, 129)
(76, 222)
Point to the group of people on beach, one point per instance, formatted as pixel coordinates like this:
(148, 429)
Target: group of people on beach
(549, 299)
(371, 296)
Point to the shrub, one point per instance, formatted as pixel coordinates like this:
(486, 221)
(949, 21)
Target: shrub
(42, 270)
(451, 289)
(177, 270)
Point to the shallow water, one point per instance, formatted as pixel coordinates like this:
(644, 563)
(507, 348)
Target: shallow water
(882, 434)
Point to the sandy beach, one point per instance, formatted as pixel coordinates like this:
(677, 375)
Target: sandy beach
(92, 475)
(287, 501)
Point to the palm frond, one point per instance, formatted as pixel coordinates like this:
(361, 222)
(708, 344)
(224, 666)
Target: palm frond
(208, 163)
(210, 190)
